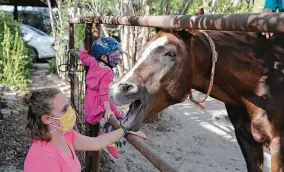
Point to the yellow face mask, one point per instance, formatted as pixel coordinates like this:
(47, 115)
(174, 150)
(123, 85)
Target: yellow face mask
(67, 121)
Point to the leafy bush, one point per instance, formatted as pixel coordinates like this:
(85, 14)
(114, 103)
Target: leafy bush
(52, 66)
(79, 35)
(15, 62)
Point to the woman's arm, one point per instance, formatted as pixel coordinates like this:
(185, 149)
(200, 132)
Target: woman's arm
(85, 143)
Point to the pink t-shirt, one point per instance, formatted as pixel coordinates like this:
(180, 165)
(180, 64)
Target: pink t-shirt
(44, 157)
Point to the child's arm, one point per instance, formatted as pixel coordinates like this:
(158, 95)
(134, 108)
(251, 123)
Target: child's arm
(108, 113)
(84, 55)
(103, 91)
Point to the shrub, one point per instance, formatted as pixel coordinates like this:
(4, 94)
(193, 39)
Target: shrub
(15, 62)
(52, 66)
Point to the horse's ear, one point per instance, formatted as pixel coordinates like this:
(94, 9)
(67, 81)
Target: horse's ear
(186, 33)
(200, 12)
(158, 29)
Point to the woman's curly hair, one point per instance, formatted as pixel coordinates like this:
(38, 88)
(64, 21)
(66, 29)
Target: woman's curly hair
(39, 103)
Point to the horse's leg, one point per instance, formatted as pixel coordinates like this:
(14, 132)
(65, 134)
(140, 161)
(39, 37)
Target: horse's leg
(252, 150)
(276, 143)
(276, 148)
(267, 127)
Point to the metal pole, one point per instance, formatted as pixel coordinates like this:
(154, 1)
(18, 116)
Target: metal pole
(145, 150)
(263, 22)
(72, 60)
(92, 158)
(16, 13)
(88, 129)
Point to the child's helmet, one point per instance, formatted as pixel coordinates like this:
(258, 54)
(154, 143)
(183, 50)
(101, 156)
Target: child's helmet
(106, 46)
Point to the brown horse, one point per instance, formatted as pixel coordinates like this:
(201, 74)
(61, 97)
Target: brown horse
(249, 79)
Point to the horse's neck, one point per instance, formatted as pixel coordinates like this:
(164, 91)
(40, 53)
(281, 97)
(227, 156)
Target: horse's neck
(201, 61)
(201, 72)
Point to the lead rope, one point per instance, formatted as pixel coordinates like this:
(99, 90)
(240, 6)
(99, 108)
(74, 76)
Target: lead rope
(214, 60)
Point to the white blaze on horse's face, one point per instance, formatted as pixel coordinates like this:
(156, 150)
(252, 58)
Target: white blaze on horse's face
(146, 54)
(156, 65)
(146, 58)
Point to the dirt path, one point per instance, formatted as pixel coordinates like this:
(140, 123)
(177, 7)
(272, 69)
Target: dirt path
(184, 135)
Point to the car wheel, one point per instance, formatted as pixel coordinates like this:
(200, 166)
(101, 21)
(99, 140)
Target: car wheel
(34, 55)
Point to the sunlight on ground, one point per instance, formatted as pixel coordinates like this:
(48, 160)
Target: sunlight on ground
(216, 130)
(204, 119)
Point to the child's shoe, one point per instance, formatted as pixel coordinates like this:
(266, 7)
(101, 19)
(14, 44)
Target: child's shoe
(112, 151)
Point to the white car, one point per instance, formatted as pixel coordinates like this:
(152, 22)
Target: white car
(40, 42)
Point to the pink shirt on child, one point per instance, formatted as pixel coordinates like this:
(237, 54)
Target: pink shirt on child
(98, 80)
(44, 157)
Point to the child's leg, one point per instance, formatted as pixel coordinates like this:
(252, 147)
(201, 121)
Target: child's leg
(93, 130)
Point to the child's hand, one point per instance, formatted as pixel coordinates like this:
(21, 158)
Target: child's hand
(139, 134)
(108, 114)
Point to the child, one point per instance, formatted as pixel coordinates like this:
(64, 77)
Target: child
(106, 54)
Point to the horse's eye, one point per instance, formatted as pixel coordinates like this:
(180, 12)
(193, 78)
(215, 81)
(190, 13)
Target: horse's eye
(170, 54)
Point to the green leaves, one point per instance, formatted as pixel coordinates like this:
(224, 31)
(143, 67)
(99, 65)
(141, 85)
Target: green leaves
(181, 7)
(52, 66)
(119, 144)
(15, 62)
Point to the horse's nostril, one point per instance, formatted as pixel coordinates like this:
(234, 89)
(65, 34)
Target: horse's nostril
(128, 87)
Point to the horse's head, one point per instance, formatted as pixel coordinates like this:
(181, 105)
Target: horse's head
(159, 79)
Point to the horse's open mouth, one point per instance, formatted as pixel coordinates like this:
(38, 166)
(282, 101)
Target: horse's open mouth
(132, 114)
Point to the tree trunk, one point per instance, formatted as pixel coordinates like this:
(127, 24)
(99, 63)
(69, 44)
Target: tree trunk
(59, 5)
(235, 3)
(162, 7)
(76, 3)
(51, 18)
(168, 3)
(213, 6)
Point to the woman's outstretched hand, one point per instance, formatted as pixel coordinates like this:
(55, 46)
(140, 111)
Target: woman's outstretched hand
(139, 134)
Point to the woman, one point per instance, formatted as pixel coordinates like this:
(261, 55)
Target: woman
(50, 124)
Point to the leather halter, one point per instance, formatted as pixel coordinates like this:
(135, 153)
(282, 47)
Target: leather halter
(214, 60)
